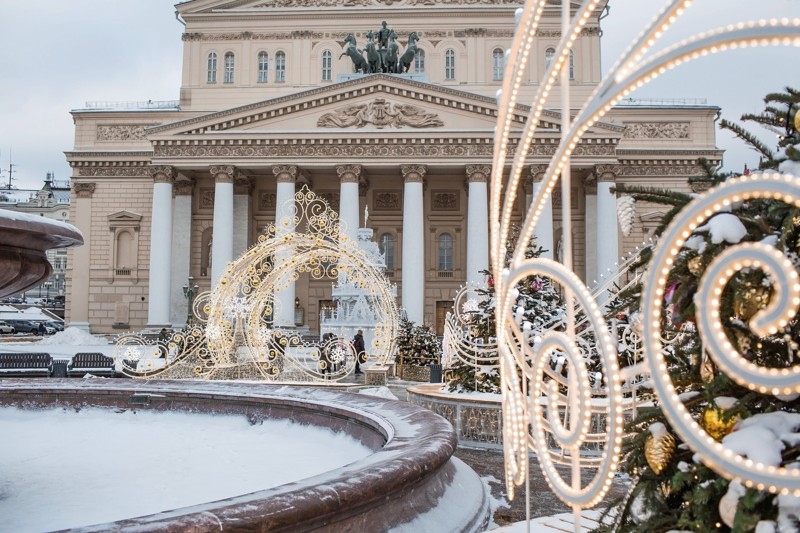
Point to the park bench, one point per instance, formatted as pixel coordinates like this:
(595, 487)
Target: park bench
(26, 365)
(93, 363)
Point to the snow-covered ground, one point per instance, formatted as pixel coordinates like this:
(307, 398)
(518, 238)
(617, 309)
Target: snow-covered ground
(112, 464)
(62, 345)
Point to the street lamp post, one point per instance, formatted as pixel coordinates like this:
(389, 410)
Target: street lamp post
(190, 291)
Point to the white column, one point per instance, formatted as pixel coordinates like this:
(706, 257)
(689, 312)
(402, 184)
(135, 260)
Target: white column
(160, 248)
(181, 250)
(477, 223)
(77, 312)
(242, 220)
(607, 231)
(544, 229)
(222, 234)
(589, 230)
(349, 176)
(413, 292)
(286, 177)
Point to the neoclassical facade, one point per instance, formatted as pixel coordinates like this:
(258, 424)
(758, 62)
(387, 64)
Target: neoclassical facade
(269, 102)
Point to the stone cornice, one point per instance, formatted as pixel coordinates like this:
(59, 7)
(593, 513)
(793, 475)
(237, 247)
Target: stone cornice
(369, 84)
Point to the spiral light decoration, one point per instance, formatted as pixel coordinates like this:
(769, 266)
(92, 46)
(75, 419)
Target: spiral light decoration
(534, 396)
(233, 335)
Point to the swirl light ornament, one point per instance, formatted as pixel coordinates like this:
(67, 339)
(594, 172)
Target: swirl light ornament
(783, 306)
(534, 395)
(234, 335)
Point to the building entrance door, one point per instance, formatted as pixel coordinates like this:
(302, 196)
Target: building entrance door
(442, 308)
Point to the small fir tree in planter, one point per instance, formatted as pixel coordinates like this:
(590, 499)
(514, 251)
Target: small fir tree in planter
(417, 346)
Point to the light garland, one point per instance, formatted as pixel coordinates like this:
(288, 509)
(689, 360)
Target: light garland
(521, 408)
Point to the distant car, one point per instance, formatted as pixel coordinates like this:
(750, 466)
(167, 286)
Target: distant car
(5, 327)
(55, 324)
(24, 326)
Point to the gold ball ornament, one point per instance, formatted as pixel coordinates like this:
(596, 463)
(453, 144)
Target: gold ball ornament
(749, 301)
(712, 421)
(659, 447)
(695, 265)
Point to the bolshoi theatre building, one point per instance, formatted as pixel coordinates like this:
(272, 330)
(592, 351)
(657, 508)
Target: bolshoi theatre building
(274, 97)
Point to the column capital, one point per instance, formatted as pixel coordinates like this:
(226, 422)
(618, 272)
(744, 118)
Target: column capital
(161, 173)
(223, 173)
(478, 173)
(537, 173)
(242, 185)
(590, 184)
(182, 187)
(414, 173)
(285, 173)
(84, 190)
(607, 173)
(349, 173)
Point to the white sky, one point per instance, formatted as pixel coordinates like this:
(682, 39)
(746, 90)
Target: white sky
(56, 55)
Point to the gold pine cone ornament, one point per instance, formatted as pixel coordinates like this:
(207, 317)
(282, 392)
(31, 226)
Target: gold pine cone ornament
(659, 447)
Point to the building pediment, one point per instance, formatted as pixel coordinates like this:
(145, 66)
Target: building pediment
(374, 102)
(216, 6)
(124, 219)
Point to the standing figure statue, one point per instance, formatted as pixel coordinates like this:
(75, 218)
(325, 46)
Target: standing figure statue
(373, 57)
(352, 51)
(383, 35)
(405, 61)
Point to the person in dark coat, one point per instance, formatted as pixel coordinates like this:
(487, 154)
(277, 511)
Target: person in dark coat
(42, 329)
(358, 347)
(325, 360)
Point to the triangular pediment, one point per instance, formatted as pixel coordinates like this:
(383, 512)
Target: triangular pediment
(369, 103)
(124, 218)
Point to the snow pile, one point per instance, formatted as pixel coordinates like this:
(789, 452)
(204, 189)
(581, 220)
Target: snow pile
(380, 392)
(724, 227)
(74, 337)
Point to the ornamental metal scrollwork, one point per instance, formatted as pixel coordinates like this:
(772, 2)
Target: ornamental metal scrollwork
(551, 408)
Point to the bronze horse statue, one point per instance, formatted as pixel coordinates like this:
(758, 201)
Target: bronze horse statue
(374, 60)
(352, 51)
(390, 59)
(405, 61)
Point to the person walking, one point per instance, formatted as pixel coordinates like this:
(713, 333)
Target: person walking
(358, 347)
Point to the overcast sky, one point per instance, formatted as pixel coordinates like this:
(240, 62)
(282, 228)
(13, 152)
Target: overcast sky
(58, 54)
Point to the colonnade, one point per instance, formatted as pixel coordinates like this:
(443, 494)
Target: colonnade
(170, 239)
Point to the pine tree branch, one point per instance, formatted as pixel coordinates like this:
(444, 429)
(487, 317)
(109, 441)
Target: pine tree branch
(748, 137)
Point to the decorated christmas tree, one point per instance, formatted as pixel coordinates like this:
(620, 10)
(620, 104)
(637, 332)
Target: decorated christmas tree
(417, 344)
(672, 490)
(538, 307)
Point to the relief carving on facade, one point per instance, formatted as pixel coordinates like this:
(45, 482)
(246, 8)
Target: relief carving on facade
(656, 130)
(207, 198)
(444, 200)
(122, 132)
(381, 114)
(386, 200)
(315, 3)
(139, 171)
(332, 150)
(267, 200)
(331, 197)
(661, 170)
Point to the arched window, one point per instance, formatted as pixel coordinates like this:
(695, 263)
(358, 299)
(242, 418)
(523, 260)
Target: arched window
(212, 68)
(450, 64)
(571, 65)
(228, 67)
(125, 254)
(386, 244)
(548, 57)
(263, 67)
(327, 62)
(497, 64)
(280, 67)
(419, 60)
(445, 251)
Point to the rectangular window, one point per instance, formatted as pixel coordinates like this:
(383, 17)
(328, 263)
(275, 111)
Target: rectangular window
(450, 64)
(280, 67)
